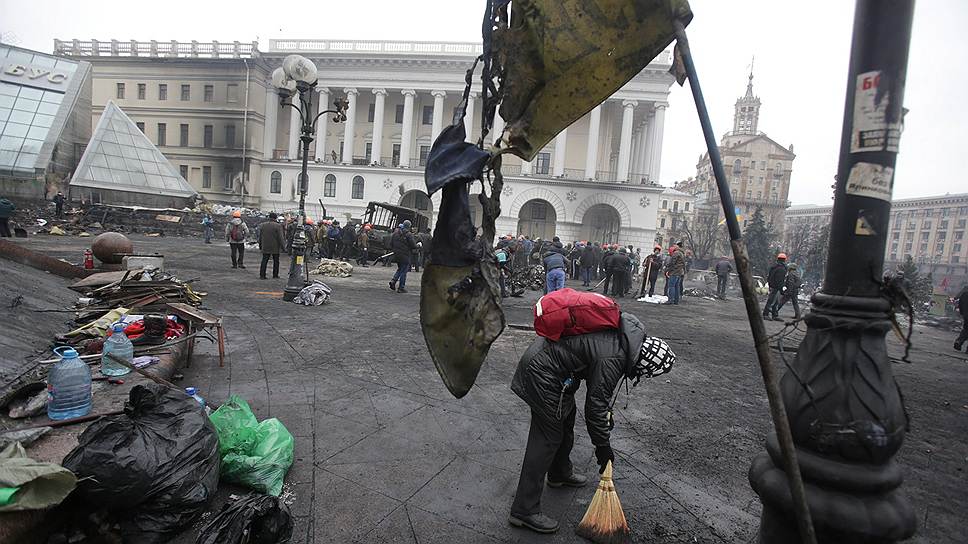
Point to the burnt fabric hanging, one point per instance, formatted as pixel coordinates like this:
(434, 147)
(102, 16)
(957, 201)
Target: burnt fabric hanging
(561, 58)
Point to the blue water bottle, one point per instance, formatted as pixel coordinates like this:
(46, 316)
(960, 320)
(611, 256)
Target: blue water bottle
(193, 393)
(68, 386)
(119, 346)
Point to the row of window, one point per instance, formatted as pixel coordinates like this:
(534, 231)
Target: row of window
(774, 198)
(675, 205)
(738, 167)
(329, 185)
(208, 138)
(208, 92)
(206, 172)
(926, 224)
(931, 212)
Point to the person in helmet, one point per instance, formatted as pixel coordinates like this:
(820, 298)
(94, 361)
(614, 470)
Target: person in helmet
(775, 279)
(651, 267)
(236, 232)
(791, 290)
(548, 375)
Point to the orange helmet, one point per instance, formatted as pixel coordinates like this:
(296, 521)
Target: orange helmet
(782, 256)
(367, 227)
(237, 213)
(309, 221)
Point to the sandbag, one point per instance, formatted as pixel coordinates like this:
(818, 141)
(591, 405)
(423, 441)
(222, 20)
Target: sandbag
(252, 519)
(567, 312)
(154, 467)
(26, 484)
(256, 455)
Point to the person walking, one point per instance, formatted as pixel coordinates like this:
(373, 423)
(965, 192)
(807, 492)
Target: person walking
(723, 268)
(555, 265)
(651, 268)
(402, 244)
(774, 279)
(335, 235)
(791, 291)
(208, 227)
(236, 232)
(587, 264)
(6, 210)
(963, 310)
(59, 200)
(272, 240)
(675, 270)
(547, 378)
(363, 245)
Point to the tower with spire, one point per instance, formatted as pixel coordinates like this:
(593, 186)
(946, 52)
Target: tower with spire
(747, 114)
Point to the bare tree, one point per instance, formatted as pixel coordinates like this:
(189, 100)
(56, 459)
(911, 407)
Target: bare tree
(798, 240)
(705, 235)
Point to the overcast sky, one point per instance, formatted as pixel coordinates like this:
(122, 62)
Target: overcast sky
(801, 51)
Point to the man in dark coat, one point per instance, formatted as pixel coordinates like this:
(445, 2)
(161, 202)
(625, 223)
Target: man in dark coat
(547, 378)
(59, 200)
(675, 270)
(791, 291)
(587, 264)
(402, 244)
(651, 267)
(723, 268)
(348, 241)
(963, 310)
(597, 267)
(616, 265)
(775, 279)
(272, 240)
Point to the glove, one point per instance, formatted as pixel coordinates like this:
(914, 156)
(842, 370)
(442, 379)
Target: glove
(604, 454)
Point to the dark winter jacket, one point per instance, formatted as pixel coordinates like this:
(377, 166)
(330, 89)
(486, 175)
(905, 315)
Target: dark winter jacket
(723, 268)
(963, 304)
(792, 284)
(656, 267)
(271, 238)
(676, 265)
(6, 208)
(601, 358)
(776, 276)
(598, 255)
(554, 260)
(617, 261)
(587, 258)
(402, 245)
(349, 235)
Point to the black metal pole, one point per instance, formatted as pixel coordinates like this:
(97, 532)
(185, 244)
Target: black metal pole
(844, 407)
(777, 411)
(297, 262)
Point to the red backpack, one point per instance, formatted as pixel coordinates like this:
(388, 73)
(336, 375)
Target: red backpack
(567, 312)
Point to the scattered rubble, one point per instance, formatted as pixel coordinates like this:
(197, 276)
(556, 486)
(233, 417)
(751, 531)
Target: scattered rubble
(334, 268)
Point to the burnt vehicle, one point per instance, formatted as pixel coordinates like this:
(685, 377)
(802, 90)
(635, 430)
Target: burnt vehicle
(383, 218)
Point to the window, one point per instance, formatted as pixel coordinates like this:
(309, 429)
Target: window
(162, 134)
(961, 223)
(955, 259)
(183, 170)
(686, 207)
(943, 224)
(120, 91)
(357, 187)
(959, 235)
(665, 204)
(209, 93)
(675, 205)
(227, 180)
(186, 92)
(942, 236)
(183, 135)
(924, 236)
(206, 177)
(341, 142)
(142, 90)
(398, 115)
(737, 167)
(956, 248)
(230, 136)
(752, 165)
(329, 186)
(779, 170)
(424, 152)
(232, 92)
(162, 91)
(762, 165)
(662, 223)
(395, 155)
(208, 135)
(926, 225)
(939, 247)
(428, 115)
(368, 153)
(749, 194)
(370, 113)
(539, 210)
(542, 164)
(275, 182)
(141, 126)
(759, 195)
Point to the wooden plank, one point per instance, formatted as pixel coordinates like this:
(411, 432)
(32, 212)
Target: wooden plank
(188, 312)
(99, 279)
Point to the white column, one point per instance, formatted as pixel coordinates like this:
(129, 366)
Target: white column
(649, 141)
(378, 106)
(561, 145)
(407, 136)
(591, 155)
(349, 131)
(497, 127)
(322, 124)
(469, 119)
(294, 123)
(272, 113)
(438, 123)
(635, 145)
(657, 142)
(625, 144)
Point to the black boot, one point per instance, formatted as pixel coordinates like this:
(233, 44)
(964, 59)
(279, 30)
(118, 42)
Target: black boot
(538, 523)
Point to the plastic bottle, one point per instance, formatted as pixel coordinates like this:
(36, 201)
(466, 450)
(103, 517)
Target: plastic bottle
(193, 393)
(68, 386)
(119, 346)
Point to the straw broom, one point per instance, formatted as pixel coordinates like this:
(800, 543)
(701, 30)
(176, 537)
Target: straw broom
(604, 521)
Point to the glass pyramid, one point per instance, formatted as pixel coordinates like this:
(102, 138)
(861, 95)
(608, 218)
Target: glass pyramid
(120, 157)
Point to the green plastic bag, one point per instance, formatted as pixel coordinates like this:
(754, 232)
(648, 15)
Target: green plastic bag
(256, 455)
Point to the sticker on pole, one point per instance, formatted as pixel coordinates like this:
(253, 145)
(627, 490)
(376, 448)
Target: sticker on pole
(871, 180)
(871, 129)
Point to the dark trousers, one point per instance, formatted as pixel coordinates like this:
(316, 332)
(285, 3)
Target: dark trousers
(771, 301)
(652, 285)
(400, 277)
(549, 449)
(238, 253)
(721, 282)
(964, 333)
(265, 262)
(363, 258)
(609, 278)
(586, 276)
(783, 300)
(4, 227)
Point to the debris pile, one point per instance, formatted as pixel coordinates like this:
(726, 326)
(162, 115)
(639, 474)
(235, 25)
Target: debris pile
(700, 292)
(334, 268)
(316, 293)
(527, 277)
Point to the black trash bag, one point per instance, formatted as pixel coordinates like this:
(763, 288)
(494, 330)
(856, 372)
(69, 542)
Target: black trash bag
(253, 519)
(152, 468)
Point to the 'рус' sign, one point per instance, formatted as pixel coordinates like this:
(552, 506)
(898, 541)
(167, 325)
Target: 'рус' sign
(34, 76)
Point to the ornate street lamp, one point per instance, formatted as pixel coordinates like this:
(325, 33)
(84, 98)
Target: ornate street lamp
(298, 76)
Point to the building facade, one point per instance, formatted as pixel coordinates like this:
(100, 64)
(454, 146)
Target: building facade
(677, 210)
(758, 169)
(931, 230)
(211, 109)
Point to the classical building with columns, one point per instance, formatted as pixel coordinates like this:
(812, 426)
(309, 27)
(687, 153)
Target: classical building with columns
(211, 109)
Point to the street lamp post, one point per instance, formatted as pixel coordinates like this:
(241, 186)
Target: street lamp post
(844, 408)
(298, 76)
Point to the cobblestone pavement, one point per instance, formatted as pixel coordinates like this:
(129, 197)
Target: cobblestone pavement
(385, 454)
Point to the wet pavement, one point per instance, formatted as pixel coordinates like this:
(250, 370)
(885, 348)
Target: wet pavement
(384, 453)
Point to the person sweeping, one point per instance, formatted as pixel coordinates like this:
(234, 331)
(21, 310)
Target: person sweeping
(583, 336)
